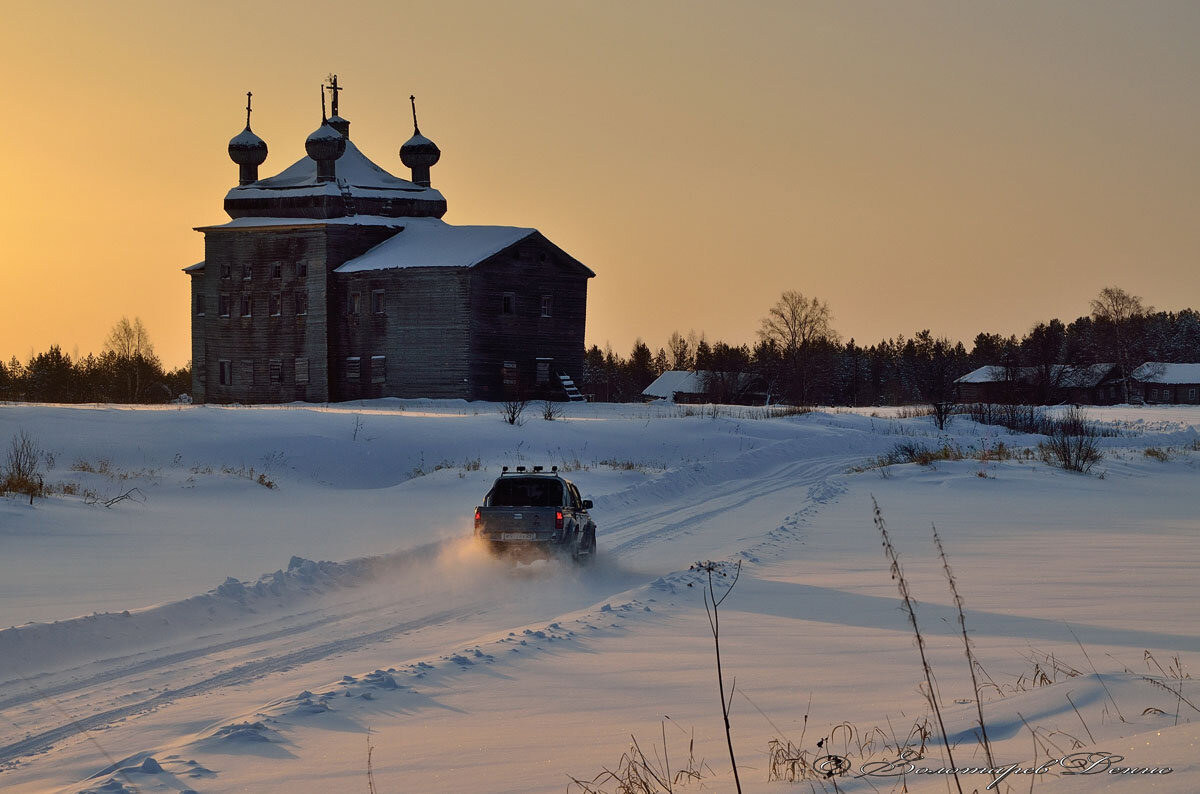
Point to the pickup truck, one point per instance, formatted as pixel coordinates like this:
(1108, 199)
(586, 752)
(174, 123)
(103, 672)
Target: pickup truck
(535, 514)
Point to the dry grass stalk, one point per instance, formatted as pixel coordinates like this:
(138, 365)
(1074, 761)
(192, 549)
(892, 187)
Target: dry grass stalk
(971, 663)
(637, 774)
(930, 690)
(370, 768)
(712, 606)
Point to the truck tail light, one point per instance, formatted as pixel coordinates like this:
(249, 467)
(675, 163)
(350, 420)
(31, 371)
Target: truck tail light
(558, 519)
(478, 520)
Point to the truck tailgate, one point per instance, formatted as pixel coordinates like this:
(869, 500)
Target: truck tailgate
(517, 523)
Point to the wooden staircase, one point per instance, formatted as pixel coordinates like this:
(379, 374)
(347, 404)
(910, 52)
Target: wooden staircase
(347, 197)
(569, 387)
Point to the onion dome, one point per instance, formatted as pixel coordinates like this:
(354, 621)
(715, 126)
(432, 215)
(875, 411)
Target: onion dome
(325, 144)
(246, 148)
(419, 152)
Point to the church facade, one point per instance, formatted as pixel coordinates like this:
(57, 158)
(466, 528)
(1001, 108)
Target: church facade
(335, 280)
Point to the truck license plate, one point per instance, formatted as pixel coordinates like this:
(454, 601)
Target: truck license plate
(517, 536)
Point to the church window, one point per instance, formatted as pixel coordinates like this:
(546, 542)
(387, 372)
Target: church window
(355, 303)
(276, 270)
(246, 305)
(226, 270)
(508, 303)
(301, 270)
(275, 370)
(377, 301)
(301, 371)
(378, 369)
(226, 368)
(275, 303)
(223, 304)
(199, 305)
(353, 368)
(247, 272)
(301, 303)
(546, 305)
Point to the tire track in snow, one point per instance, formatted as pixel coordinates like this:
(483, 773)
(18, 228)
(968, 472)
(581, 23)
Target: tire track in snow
(242, 673)
(146, 665)
(735, 495)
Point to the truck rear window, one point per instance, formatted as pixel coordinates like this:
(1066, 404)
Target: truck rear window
(527, 492)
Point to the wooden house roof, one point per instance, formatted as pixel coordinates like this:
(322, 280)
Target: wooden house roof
(431, 242)
(1170, 374)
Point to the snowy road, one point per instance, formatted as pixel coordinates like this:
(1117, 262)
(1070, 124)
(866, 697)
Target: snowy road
(377, 612)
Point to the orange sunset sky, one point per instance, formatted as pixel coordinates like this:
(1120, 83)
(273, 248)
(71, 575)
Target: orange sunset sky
(958, 166)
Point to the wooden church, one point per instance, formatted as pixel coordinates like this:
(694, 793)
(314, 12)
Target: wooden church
(336, 280)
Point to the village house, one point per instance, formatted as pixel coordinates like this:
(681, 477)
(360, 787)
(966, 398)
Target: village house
(1089, 384)
(1095, 384)
(702, 386)
(1168, 383)
(335, 280)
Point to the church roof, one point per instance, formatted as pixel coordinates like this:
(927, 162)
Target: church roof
(431, 242)
(252, 222)
(354, 168)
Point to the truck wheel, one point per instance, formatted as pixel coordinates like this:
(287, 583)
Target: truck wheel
(587, 549)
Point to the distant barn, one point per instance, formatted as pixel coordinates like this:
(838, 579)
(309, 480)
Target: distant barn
(336, 280)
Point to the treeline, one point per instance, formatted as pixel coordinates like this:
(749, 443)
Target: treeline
(126, 371)
(800, 359)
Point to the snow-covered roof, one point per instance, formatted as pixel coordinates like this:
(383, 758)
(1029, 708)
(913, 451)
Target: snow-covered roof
(1067, 376)
(669, 383)
(430, 242)
(1070, 376)
(985, 374)
(1155, 372)
(677, 381)
(350, 220)
(355, 169)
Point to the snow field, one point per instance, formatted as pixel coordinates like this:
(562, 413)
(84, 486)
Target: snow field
(472, 675)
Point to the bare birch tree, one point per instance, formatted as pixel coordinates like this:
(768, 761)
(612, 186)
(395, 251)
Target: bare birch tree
(1122, 310)
(796, 325)
(129, 348)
